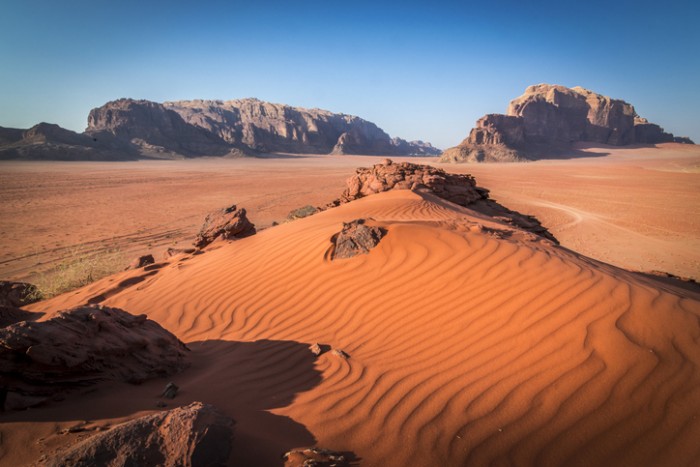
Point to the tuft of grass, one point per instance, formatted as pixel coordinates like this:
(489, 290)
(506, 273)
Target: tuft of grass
(79, 268)
(302, 212)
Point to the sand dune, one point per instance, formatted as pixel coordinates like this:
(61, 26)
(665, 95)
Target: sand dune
(470, 343)
(640, 205)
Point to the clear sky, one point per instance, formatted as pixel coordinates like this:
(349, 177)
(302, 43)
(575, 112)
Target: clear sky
(420, 70)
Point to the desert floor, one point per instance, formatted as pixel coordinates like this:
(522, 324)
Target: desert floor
(637, 208)
(470, 342)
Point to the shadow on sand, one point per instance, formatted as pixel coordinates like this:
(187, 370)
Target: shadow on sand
(245, 380)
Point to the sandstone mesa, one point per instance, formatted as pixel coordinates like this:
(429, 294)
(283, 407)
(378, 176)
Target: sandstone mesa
(128, 129)
(547, 119)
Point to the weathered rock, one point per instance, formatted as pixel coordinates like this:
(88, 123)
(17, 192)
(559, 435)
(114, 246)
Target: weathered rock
(546, 119)
(11, 315)
(142, 261)
(85, 345)
(682, 140)
(157, 131)
(356, 238)
(457, 188)
(316, 349)
(170, 391)
(340, 353)
(314, 457)
(413, 148)
(191, 436)
(17, 294)
(228, 223)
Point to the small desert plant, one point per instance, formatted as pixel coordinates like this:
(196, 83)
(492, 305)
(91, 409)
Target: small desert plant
(77, 269)
(304, 211)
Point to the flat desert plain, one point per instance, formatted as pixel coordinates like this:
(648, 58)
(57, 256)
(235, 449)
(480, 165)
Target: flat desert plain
(636, 208)
(465, 340)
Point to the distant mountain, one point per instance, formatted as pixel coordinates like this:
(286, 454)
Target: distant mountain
(201, 127)
(545, 120)
(47, 141)
(128, 129)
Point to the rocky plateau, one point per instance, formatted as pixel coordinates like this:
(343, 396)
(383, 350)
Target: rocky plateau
(127, 129)
(547, 119)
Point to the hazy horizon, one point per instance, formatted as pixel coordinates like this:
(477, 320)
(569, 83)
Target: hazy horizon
(418, 71)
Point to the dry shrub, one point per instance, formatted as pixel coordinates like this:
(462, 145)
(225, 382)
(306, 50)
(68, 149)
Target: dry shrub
(79, 268)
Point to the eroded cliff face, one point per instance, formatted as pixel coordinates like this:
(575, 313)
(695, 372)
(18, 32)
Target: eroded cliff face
(154, 129)
(546, 119)
(207, 127)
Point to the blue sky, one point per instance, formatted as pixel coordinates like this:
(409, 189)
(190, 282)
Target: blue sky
(419, 70)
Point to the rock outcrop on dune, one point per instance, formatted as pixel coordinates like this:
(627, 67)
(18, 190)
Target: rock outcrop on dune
(47, 141)
(457, 188)
(546, 119)
(11, 315)
(460, 189)
(356, 238)
(84, 345)
(197, 435)
(228, 224)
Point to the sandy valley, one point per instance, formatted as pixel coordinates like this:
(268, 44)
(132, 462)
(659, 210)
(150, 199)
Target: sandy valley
(457, 338)
(637, 208)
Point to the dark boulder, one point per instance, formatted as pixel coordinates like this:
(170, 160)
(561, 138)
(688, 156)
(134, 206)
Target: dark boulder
(228, 224)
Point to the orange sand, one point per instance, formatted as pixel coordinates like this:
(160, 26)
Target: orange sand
(467, 347)
(636, 208)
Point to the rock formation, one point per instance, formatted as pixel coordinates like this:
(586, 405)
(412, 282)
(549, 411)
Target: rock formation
(85, 345)
(196, 435)
(227, 223)
(155, 130)
(141, 261)
(201, 127)
(459, 189)
(547, 119)
(355, 238)
(11, 315)
(127, 129)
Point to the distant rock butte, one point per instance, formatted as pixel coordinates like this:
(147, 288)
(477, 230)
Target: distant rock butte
(131, 129)
(546, 119)
(244, 126)
(46, 141)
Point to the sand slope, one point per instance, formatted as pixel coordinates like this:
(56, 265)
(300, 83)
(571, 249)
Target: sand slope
(469, 344)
